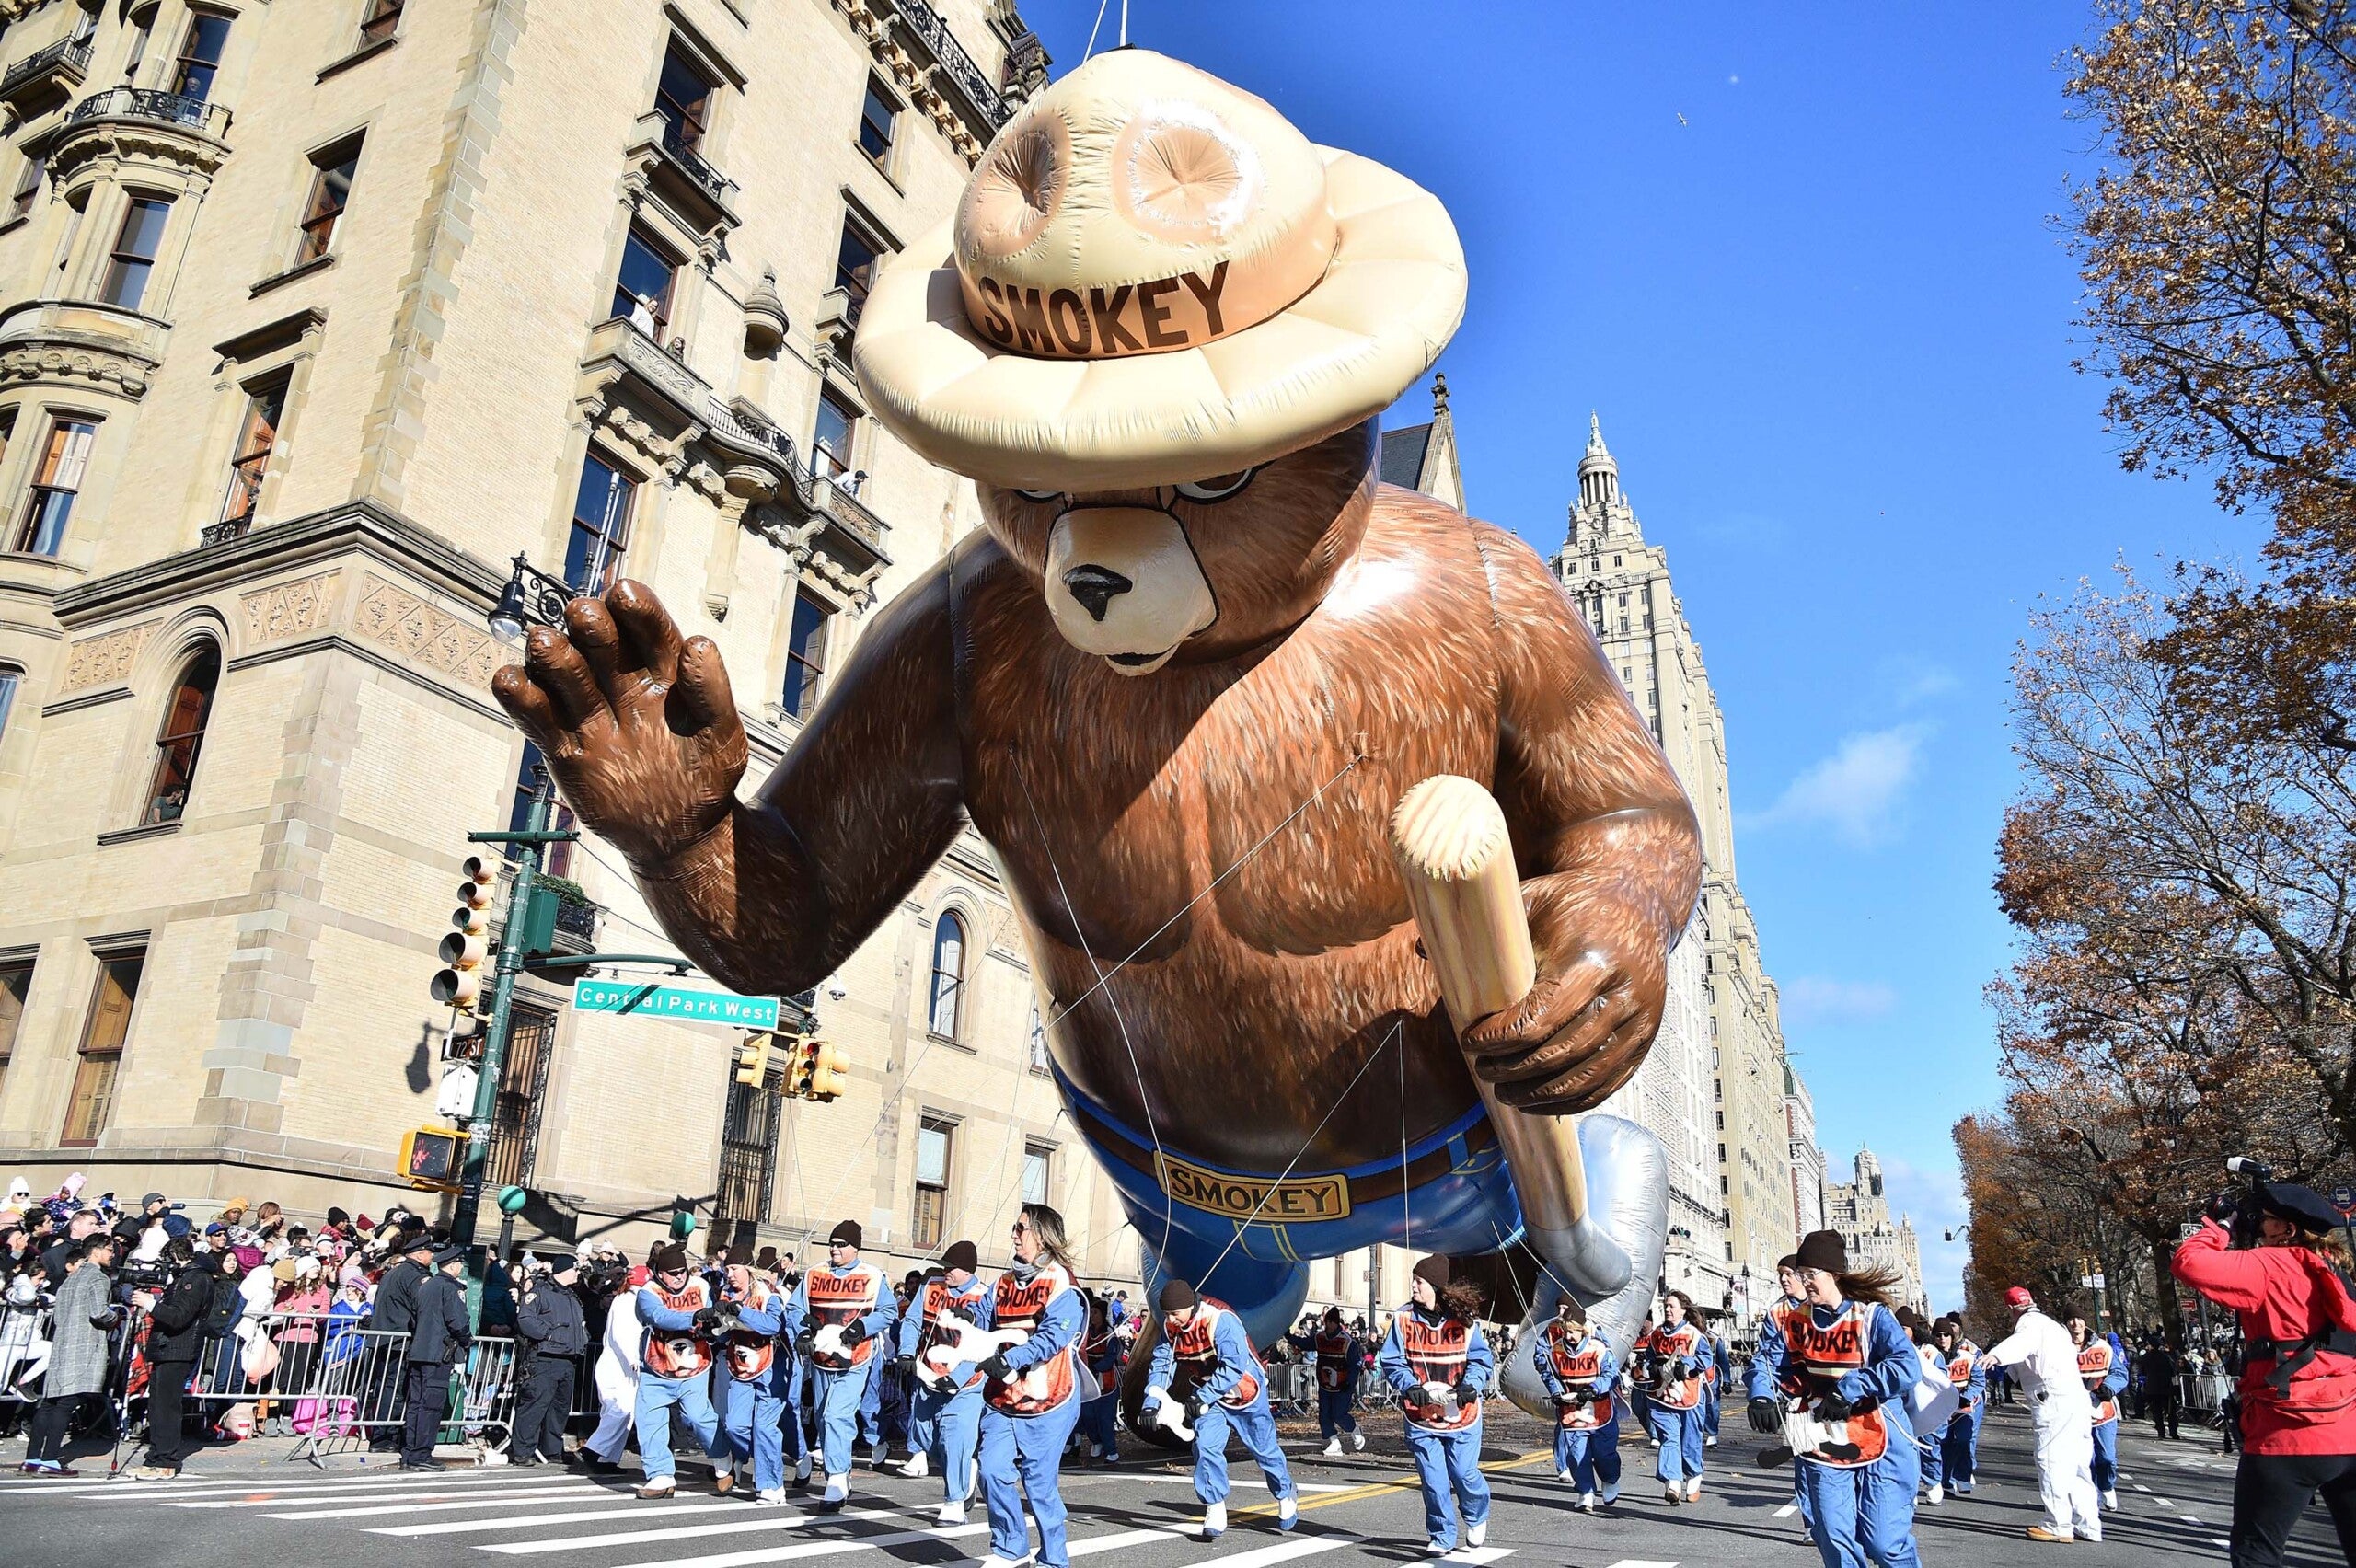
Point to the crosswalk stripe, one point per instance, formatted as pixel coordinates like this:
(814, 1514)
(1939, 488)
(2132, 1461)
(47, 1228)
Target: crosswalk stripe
(431, 1491)
(1285, 1551)
(519, 1521)
(1644, 1562)
(428, 1505)
(1478, 1555)
(194, 1486)
(1787, 1510)
(1126, 1538)
(760, 1520)
(826, 1547)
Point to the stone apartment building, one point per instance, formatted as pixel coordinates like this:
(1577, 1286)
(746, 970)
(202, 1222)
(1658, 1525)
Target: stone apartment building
(1859, 1210)
(314, 314)
(1713, 1088)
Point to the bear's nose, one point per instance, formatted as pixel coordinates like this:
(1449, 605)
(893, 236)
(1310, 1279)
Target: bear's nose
(1094, 587)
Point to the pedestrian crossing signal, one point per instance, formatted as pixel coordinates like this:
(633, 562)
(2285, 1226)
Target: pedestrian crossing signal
(434, 1158)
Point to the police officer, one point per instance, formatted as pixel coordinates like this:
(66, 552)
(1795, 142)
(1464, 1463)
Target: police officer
(1438, 1361)
(1205, 1363)
(553, 1333)
(945, 1411)
(1579, 1370)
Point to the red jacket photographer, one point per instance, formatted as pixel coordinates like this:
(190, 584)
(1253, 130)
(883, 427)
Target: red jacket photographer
(2283, 1294)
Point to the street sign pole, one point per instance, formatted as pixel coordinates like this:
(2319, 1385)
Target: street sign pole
(495, 1043)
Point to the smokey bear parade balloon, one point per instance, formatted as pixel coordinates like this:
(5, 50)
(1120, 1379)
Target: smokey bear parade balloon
(1181, 683)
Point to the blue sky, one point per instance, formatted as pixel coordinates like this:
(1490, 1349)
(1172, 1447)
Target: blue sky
(1804, 262)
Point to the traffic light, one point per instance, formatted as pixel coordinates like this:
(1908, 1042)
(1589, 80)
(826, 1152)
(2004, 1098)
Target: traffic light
(829, 1071)
(797, 1066)
(459, 982)
(433, 1156)
(753, 1058)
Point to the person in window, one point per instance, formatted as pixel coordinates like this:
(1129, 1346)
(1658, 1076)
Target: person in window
(1205, 1364)
(945, 1409)
(1031, 1393)
(1436, 1358)
(838, 1314)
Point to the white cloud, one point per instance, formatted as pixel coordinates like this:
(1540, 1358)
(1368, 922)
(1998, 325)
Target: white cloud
(1812, 998)
(1857, 791)
(1929, 682)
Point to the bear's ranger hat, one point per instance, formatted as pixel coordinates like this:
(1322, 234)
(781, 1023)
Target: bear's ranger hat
(1153, 277)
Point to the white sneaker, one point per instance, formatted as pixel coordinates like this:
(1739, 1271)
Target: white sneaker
(1214, 1520)
(2110, 1500)
(995, 1561)
(838, 1489)
(773, 1496)
(657, 1486)
(916, 1467)
(1287, 1511)
(1936, 1495)
(1357, 1442)
(1475, 1534)
(952, 1514)
(1433, 1549)
(1333, 1448)
(1563, 1475)
(802, 1467)
(1709, 1442)
(2092, 1537)
(1587, 1500)
(1693, 1489)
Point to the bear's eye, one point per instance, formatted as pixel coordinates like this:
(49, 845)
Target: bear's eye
(1040, 496)
(1218, 487)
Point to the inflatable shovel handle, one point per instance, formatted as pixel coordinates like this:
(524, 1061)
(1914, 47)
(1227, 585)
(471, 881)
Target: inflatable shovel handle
(1453, 848)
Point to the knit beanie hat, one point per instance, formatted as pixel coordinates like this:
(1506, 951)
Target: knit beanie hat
(1177, 1296)
(961, 1255)
(1433, 1271)
(669, 1257)
(848, 1234)
(1823, 1250)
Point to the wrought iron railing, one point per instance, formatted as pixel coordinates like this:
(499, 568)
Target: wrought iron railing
(741, 418)
(70, 51)
(224, 533)
(577, 920)
(147, 103)
(925, 23)
(694, 165)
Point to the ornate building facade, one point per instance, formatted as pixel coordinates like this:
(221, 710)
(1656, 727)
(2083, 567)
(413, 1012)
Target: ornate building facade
(1859, 1210)
(314, 315)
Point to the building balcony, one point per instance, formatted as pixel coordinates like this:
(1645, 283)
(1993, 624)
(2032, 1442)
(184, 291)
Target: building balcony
(846, 511)
(138, 124)
(680, 177)
(45, 78)
(837, 322)
(81, 342)
(957, 74)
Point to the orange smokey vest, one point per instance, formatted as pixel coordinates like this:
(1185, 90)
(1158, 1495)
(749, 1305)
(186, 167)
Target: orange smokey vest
(1334, 1353)
(678, 1352)
(1823, 1357)
(750, 1355)
(1435, 1352)
(1959, 1374)
(937, 1295)
(1579, 1363)
(1193, 1351)
(839, 1299)
(1684, 1342)
(1023, 1304)
(2093, 1366)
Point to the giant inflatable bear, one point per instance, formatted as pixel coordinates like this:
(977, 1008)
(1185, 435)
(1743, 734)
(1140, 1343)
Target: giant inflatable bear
(1179, 684)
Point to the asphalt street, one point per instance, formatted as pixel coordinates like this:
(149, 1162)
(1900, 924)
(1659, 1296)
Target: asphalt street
(2175, 1497)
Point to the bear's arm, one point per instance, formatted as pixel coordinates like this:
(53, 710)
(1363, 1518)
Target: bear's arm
(1608, 849)
(869, 797)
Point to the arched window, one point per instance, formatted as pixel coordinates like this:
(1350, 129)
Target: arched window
(948, 973)
(182, 737)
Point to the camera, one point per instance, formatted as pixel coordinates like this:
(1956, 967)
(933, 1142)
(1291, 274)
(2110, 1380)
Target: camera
(2239, 1211)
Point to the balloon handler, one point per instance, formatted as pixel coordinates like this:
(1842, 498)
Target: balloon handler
(945, 1410)
(1579, 1370)
(1204, 1377)
(1437, 1361)
(756, 1393)
(1831, 1374)
(681, 1321)
(1671, 1363)
(1032, 1392)
(837, 1316)
(1181, 678)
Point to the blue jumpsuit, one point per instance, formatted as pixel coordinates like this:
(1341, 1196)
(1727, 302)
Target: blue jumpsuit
(1933, 1464)
(946, 1427)
(674, 1376)
(2104, 1370)
(757, 1380)
(1589, 1451)
(1713, 1383)
(1448, 1456)
(830, 1294)
(1100, 1412)
(1022, 1435)
(1219, 1369)
(1678, 1430)
(1863, 1514)
(1959, 1448)
(1339, 1356)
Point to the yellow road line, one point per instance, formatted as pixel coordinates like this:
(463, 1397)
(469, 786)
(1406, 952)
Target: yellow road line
(1379, 1488)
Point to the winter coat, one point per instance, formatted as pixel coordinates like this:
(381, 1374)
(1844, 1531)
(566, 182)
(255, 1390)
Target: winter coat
(301, 1305)
(77, 1361)
(176, 1331)
(396, 1309)
(550, 1322)
(442, 1330)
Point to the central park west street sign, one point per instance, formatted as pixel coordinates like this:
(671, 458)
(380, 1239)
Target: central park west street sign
(688, 1004)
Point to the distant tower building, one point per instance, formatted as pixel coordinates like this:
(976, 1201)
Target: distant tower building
(1859, 1209)
(1715, 1087)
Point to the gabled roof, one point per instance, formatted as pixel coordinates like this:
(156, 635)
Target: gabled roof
(1403, 456)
